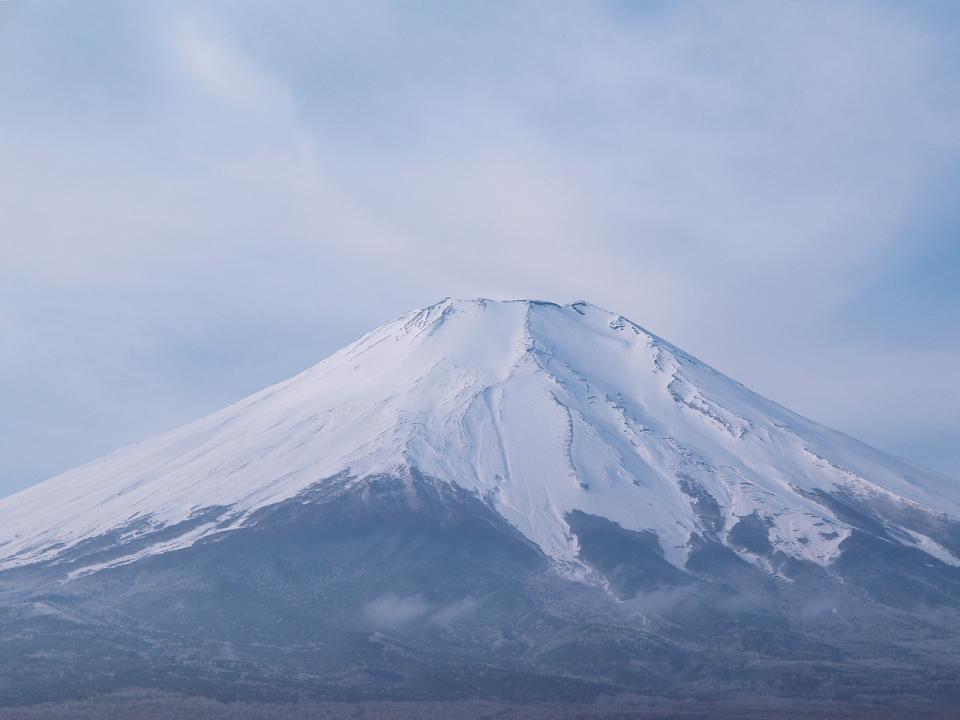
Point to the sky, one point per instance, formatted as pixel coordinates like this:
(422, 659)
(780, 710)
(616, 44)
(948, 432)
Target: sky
(200, 199)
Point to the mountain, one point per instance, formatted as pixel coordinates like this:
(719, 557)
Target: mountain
(482, 498)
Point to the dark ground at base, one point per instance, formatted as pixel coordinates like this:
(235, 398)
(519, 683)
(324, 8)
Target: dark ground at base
(156, 706)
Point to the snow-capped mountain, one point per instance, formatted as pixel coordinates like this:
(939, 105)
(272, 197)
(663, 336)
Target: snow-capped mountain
(538, 409)
(488, 499)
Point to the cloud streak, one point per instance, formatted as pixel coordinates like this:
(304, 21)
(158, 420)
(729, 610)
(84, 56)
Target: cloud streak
(392, 612)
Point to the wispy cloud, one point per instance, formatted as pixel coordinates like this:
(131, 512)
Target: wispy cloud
(218, 69)
(395, 612)
(197, 200)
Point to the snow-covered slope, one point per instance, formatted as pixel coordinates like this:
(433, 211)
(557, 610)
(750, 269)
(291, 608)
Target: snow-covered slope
(539, 409)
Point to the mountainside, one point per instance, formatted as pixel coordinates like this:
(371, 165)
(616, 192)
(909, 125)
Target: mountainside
(482, 497)
(538, 409)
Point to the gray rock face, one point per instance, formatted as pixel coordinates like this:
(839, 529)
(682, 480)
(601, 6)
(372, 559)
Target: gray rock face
(410, 589)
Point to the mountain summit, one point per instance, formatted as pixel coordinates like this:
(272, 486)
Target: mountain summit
(485, 498)
(538, 409)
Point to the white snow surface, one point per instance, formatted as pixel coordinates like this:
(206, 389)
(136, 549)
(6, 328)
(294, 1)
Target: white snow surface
(539, 409)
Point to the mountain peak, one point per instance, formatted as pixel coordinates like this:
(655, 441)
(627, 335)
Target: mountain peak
(540, 410)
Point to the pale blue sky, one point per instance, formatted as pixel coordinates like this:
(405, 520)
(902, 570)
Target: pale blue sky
(199, 199)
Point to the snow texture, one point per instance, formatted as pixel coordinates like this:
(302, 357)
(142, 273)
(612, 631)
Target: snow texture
(539, 409)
